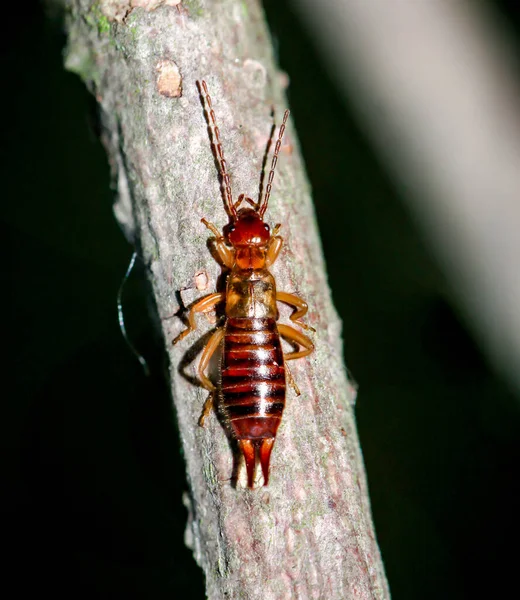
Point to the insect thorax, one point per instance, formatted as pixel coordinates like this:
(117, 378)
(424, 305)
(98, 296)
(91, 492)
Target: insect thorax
(251, 294)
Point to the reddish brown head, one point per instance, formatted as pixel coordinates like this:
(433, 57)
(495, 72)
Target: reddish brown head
(248, 229)
(250, 236)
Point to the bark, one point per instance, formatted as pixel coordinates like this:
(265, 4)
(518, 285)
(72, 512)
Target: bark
(309, 533)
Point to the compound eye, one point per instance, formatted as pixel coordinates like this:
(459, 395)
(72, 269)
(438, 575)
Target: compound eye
(228, 230)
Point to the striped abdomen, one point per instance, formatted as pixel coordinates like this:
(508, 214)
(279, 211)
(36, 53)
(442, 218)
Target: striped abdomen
(253, 377)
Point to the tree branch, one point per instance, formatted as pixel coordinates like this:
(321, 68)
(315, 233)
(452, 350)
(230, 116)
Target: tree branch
(309, 534)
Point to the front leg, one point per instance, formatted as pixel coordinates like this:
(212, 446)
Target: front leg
(298, 304)
(275, 245)
(225, 253)
(203, 305)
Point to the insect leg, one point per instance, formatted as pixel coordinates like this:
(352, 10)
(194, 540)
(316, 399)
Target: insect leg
(292, 335)
(226, 254)
(299, 305)
(209, 350)
(275, 245)
(290, 380)
(203, 305)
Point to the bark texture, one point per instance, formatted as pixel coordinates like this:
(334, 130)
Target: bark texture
(309, 534)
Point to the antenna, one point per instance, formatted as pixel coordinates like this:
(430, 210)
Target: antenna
(263, 206)
(264, 163)
(220, 153)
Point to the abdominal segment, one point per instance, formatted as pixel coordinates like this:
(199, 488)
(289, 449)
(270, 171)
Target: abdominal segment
(253, 378)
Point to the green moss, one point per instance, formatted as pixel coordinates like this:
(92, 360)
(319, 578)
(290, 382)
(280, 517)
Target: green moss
(96, 19)
(133, 32)
(210, 474)
(103, 24)
(194, 7)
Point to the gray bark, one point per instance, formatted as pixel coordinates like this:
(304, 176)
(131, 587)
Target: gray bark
(309, 533)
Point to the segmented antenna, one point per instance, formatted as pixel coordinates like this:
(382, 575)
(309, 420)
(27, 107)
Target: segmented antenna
(220, 153)
(265, 201)
(264, 163)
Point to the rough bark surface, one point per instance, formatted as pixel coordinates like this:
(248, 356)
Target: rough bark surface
(309, 534)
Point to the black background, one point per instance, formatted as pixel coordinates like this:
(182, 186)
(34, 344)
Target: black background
(94, 473)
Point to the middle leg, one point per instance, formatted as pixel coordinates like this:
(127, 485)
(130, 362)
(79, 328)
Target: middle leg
(299, 305)
(203, 305)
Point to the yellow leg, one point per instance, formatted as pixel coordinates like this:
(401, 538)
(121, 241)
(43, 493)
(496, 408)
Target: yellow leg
(292, 335)
(290, 380)
(203, 305)
(275, 245)
(226, 254)
(209, 350)
(298, 304)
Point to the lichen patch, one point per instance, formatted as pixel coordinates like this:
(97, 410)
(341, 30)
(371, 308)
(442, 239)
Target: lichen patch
(153, 4)
(169, 80)
(118, 10)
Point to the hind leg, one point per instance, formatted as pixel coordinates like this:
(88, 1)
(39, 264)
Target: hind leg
(292, 336)
(290, 380)
(209, 350)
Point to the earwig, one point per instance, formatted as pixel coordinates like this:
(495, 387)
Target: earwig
(253, 367)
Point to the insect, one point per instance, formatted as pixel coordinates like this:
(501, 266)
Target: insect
(253, 368)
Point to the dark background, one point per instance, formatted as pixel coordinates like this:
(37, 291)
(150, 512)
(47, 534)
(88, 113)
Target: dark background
(94, 474)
